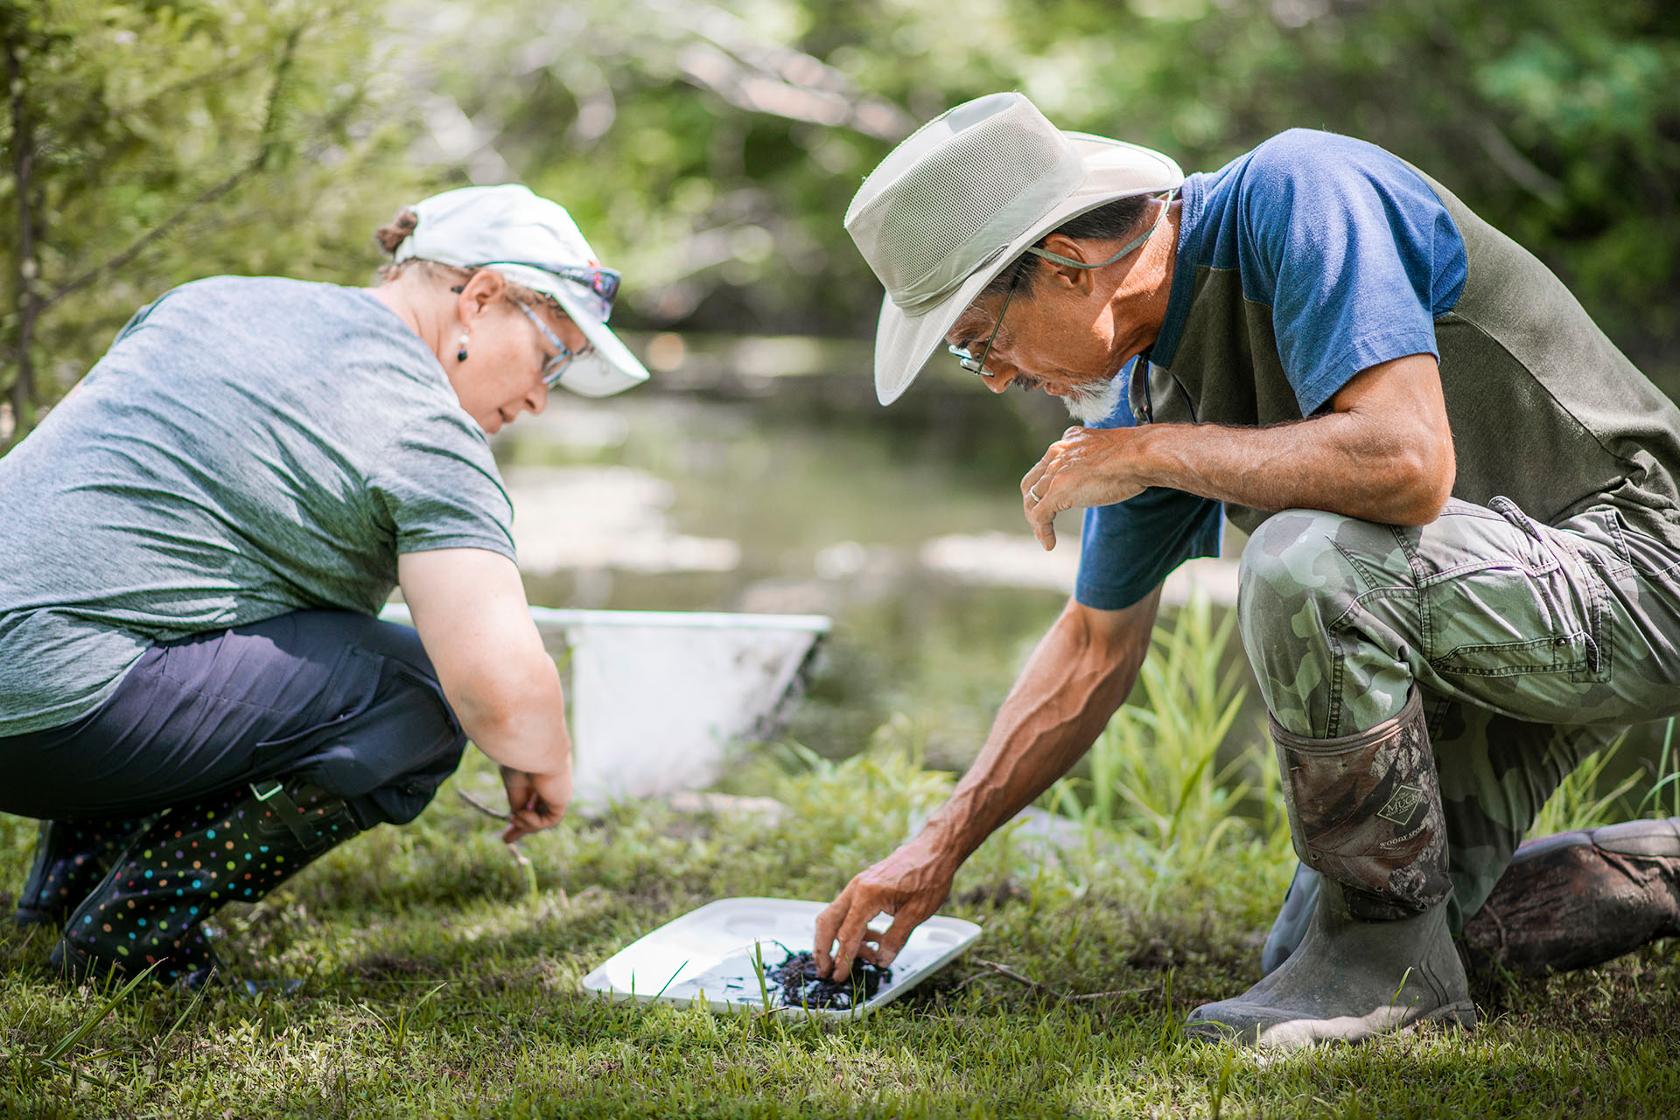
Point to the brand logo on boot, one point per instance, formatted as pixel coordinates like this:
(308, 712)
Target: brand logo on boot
(1403, 806)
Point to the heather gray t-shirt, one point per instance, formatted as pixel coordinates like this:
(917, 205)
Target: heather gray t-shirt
(247, 447)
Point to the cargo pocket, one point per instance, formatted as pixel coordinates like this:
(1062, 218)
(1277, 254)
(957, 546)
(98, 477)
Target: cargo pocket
(1503, 596)
(392, 752)
(353, 692)
(1653, 561)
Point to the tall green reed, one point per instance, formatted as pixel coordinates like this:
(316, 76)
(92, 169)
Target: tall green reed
(1578, 801)
(1663, 798)
(1155, 775)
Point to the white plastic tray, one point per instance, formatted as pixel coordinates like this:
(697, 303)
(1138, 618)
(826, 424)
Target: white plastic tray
(676, 962)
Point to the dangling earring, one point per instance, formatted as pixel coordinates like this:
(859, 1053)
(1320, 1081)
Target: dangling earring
(461, 355)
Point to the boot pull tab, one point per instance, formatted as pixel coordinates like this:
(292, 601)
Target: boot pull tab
(280, 803)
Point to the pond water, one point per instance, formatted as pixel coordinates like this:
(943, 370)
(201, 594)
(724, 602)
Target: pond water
(761, 475)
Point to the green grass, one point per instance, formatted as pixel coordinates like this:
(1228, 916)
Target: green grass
(436, 983)
(1164, 780)
(440, 977)
(377, 927)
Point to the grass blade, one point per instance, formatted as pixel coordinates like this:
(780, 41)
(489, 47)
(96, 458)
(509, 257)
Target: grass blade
(99, 1014)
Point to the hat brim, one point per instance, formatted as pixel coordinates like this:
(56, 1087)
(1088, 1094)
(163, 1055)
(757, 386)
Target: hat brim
(1113, 169)
(609, 367)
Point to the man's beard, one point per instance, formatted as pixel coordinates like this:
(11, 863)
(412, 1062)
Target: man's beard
(1092, 402)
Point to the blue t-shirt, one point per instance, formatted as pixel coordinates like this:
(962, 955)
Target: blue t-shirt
(1348, 255)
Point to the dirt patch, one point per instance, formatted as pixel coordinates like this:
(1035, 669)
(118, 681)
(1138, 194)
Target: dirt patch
(802, 985)
(1610, 1000)
(1160, 943)
(384, 966)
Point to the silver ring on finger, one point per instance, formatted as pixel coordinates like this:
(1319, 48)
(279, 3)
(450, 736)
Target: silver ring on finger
(1032, 492)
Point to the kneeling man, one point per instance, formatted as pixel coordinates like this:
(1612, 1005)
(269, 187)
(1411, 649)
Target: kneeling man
(1463, 571)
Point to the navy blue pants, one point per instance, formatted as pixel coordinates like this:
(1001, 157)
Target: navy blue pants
(341, 700)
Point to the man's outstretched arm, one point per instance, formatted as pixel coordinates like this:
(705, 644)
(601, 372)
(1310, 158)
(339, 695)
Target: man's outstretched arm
(1080, 673)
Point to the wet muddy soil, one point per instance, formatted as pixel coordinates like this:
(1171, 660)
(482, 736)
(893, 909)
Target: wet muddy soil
(792, 982)
(802, 986)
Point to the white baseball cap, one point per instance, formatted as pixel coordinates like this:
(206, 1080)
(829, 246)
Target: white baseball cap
(965, 195)
(533, 242)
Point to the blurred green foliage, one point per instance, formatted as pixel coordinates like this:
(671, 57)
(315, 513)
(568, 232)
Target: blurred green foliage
(712, 148)
(709, 147)
(145, 144)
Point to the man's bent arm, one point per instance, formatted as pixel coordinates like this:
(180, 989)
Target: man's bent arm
(1080, 673)
(1382, 453)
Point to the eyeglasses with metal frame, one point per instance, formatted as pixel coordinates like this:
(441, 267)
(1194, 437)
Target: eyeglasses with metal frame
(555, 366)
(971, 364)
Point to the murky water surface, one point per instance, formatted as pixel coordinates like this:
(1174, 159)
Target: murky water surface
(799, 493)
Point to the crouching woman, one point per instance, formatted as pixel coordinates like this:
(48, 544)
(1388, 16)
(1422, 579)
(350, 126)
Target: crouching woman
(196, 697)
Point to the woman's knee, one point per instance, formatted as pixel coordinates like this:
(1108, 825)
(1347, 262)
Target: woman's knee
(397, 738)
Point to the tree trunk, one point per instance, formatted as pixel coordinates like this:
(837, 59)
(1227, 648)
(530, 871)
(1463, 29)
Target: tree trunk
(26, 300)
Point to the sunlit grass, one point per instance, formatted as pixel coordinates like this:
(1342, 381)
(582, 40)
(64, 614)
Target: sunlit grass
(1162, 780)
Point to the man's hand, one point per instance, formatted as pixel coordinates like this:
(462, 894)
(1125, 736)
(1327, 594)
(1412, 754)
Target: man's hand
(910, 885)
(1086, 467)
(1070, 687)
(537, 801)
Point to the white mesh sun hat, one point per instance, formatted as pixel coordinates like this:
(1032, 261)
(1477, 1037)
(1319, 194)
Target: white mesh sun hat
(534, 242)
(963, 196)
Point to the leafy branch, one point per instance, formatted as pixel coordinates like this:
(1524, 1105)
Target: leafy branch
(27, 302)
(266, 143)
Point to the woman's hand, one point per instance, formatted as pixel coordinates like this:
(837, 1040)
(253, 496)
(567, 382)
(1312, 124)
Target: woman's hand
(537, 801)
(1086, 467)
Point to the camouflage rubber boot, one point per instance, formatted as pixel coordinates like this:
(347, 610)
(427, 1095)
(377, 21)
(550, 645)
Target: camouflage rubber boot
(1289, 928)
(189, 863)
(1578, 899)
(1572, 900)
(70, 859)
(1365, 812)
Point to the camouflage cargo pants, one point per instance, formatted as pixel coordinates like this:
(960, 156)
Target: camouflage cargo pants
(1531, 645)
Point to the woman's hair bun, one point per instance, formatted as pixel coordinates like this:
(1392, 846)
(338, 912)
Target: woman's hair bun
(392, 235)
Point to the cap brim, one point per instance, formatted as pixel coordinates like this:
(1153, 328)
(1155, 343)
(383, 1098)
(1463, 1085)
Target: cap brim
(609, 367)
(1113, 169)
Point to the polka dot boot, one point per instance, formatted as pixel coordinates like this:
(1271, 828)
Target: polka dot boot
(187, 864)
(70, 859)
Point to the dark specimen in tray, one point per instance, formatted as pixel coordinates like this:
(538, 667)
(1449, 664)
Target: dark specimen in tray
(802, 986)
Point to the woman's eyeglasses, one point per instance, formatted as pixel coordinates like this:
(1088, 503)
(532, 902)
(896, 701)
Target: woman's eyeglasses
(556, 365)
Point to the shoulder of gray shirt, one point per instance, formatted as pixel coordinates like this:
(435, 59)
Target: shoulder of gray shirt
(338, 366)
